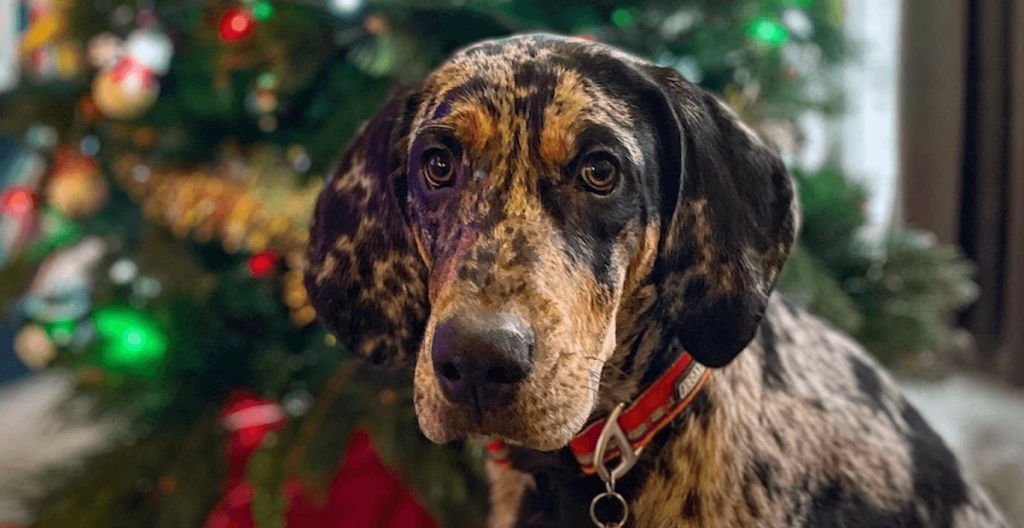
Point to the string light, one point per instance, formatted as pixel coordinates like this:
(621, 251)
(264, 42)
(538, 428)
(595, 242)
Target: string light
(132, 339)
(622, 17)
(263, 263)
(768, 31)
(262, 10)
(235, 25)
(18, 201)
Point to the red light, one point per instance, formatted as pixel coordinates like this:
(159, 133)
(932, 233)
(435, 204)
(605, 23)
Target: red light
(263, 263)
(18, 201)
(235, 25)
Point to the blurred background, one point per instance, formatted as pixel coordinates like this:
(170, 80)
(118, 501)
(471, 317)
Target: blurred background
(160, 365)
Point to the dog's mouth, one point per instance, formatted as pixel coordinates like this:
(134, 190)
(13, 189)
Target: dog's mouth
(544, 412)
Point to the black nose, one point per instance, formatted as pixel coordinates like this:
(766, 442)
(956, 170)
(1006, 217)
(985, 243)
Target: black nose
(479, 359)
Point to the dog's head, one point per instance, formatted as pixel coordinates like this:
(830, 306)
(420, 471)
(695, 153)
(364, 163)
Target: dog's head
(541, 223)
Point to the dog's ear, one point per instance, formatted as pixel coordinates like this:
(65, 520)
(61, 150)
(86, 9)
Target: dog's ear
(363, 273)
(729, 217)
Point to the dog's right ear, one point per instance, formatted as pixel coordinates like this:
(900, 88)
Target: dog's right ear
(364, 276)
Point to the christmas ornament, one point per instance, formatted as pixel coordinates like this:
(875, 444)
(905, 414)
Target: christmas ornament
(125, 91)
(51, 55)
(152, 48)
(268, 213)
(363, 492)
(104, 49)
(76, 188)
(60, 289)
(46, 22)
(132, 340)
(130, 87)
(235, 25)
(33, 347)
(20, 173)
(250, 420)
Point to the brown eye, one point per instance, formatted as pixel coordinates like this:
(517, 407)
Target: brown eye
(600, 173)
(439, 170)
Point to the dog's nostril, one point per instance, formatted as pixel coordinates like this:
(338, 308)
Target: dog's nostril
(450, 372)
(500, 375)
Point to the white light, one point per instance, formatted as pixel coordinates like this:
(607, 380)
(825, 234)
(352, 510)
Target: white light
(345, 7)
(798, 22)
(123, 271)
(151, 48)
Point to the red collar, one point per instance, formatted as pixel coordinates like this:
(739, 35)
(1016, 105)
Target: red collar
(635, 423)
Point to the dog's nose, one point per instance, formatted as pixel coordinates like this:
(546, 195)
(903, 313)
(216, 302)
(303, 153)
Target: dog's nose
(479, 359)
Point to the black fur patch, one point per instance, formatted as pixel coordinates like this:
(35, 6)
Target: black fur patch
(834, 507)
(773, 374)
(868, 382)
(936, 473)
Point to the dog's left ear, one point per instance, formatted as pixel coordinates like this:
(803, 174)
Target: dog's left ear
(729, 216)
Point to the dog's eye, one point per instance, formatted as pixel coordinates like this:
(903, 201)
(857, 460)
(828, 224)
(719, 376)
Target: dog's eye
(439, 170)
(600, 173)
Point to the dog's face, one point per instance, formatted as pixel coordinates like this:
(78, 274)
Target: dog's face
(542, 222)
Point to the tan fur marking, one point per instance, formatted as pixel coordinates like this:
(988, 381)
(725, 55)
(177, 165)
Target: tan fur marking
(474, 127)
(562, 121)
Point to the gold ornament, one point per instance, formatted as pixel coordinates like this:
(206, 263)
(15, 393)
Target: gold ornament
(76, 187)
(267, 212)
(33, 347)
(120, 95)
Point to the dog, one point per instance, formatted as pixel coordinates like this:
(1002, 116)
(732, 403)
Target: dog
(556, 233)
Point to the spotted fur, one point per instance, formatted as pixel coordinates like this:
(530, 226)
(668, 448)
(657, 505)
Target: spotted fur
(798, 426)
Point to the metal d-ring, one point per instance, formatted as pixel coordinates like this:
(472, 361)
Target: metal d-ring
(611, 494)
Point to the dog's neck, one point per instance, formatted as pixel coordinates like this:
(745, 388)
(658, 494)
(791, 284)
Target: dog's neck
(640, 357)
(690, 450)
(558, 493)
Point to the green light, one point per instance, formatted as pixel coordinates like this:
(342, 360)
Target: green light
(622, 18)
(61, 331)
(768, 31)
(132, 339)
(262, 10)
(57, 231)
(266, 80)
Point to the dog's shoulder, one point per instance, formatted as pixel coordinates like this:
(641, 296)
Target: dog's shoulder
(822, 432)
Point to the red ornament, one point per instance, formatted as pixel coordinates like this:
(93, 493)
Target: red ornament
(263, 263)
(250, 420)
(235, 25)
(363, 492)
(18, 201)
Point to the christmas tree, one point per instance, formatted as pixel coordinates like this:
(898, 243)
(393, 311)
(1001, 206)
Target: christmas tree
(160, 161)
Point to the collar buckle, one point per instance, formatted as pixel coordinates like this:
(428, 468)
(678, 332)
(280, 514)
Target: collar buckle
(629, 456)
